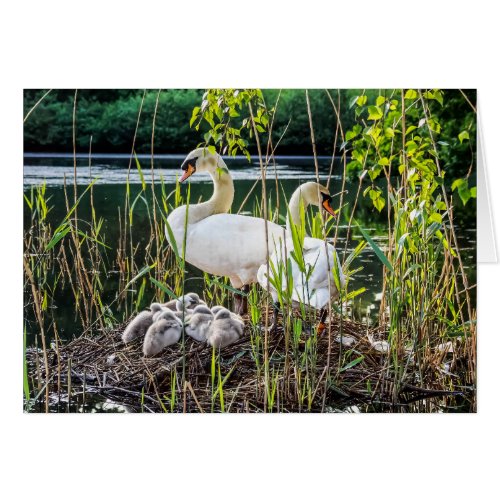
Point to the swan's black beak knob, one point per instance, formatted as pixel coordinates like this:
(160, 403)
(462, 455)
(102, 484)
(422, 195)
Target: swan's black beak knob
(327, 204)
(189, 169)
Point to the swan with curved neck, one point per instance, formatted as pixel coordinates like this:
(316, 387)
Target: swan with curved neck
(200, 160)
(217, 242)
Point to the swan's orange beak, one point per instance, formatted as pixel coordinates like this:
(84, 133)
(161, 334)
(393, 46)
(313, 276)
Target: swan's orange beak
(188, 172)
(328, 207)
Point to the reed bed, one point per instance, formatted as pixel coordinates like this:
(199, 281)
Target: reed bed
(227, 380)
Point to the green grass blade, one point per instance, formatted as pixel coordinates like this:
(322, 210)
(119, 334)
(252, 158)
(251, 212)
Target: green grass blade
(163, 287)
(139, 169)
(376, 249)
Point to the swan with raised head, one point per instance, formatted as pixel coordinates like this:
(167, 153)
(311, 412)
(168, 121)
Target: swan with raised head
(140, 324)
(217, 242)
(165, 331)
(315, 287)
(225, 329)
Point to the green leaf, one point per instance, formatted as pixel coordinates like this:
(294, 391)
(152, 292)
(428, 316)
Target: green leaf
(411, 94)
(350, 135)
(379, 203)
(355, 293)
(351, 364)
(457, 183)
(139, 169)
(473, 192)
(464, 193)
(163, 287)
(142, 272)
(361, 100)
(462, 186)
(463, 136)
(374, 113)
(380, 100)
(173, 242)
(73, 208)
(376, 249)
(60, 233)
(194, 115)
(436, 217)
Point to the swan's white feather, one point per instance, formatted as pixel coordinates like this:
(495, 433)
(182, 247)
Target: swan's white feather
(227, 245)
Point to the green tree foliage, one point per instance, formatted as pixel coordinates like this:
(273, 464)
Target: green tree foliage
(110, 117)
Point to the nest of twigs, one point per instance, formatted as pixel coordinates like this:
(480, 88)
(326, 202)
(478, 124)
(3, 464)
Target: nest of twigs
(181, 378)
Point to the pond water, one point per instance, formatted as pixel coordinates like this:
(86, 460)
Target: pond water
(109, 195)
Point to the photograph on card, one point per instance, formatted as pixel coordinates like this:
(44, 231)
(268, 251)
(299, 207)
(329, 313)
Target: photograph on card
(249, 250)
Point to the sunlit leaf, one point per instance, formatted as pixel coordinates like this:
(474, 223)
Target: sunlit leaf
(463, 136)
(374, 113)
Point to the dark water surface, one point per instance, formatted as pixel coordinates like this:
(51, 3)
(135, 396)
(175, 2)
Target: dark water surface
(109, 196)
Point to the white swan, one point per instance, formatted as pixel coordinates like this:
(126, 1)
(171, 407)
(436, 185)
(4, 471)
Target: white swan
(316, 286)
(217, 242)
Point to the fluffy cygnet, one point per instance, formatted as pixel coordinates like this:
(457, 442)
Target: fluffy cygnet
(235, 316)
(184, 305)
(157, 309)
(188, 301)
(198, 323)
(165, 331)
(140, 324)
(225, 329)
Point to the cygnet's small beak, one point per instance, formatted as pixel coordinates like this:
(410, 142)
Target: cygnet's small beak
(189, 170)
(328, 206)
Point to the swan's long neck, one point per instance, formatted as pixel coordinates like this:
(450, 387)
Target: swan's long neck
(294, 208)
(222, 197)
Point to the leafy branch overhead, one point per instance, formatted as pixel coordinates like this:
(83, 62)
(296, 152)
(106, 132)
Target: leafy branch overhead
(389, 141)
(226, 111)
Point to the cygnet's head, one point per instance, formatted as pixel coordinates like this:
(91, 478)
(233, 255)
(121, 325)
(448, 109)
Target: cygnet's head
(202, 309)
(155, 307)
(170, 317)
(201, 160)
(223, 314)
(216, 309)
(313, 193)
(188, 301)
